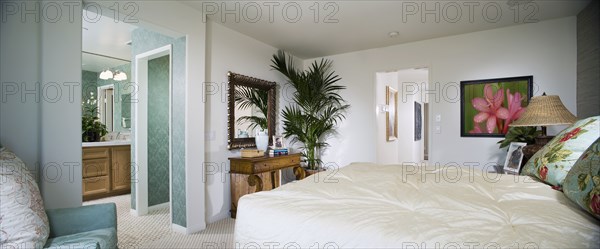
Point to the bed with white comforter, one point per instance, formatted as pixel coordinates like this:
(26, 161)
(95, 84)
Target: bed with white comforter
(394, 206)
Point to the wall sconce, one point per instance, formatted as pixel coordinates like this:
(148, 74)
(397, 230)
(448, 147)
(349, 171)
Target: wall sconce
(381, 108)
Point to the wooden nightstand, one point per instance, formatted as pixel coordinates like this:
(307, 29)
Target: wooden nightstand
(250, 175)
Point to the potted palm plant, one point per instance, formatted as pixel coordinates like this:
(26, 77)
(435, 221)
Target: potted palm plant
(317, 106)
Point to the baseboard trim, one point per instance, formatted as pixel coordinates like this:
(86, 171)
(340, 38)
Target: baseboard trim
(158, 206)
(134, 212)
(179, 229)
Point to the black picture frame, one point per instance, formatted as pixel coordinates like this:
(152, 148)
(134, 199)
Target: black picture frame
(418, 121)
(471, 89)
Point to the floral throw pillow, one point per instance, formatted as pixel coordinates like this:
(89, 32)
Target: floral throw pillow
(582, 184)
(552, 163)
(23, 220)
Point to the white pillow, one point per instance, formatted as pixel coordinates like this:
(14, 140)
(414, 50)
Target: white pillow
(24, 223)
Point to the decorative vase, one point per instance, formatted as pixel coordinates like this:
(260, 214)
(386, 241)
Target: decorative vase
(262, 140)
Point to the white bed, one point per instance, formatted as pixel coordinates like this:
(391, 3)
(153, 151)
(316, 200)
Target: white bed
(391, 206)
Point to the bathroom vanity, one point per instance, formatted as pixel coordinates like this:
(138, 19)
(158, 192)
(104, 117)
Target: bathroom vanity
(106, 169)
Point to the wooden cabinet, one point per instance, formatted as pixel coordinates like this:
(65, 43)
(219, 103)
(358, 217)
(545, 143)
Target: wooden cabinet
(121, 169)
(250, 175)
(106, 171)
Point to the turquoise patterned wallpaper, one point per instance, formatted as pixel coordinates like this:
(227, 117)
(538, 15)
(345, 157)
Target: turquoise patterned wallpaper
(158, 131)
(89, 85)
(142, 41)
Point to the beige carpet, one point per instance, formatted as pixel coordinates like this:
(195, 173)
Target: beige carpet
(154, 231)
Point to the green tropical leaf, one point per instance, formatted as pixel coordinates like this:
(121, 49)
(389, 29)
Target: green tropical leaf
(248, 97)
(596, 180)
(582, 180)
(520, 134)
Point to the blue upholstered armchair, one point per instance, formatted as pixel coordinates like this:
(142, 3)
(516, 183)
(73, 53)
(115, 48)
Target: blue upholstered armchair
(25, 223)
(92, 226)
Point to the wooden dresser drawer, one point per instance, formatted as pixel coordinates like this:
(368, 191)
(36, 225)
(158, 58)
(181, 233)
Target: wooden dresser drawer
(96, 185)
(95, 152)
(275, 164)
(262, 164)
(95, 167)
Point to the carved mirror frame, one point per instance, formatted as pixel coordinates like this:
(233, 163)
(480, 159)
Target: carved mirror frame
(242, 80)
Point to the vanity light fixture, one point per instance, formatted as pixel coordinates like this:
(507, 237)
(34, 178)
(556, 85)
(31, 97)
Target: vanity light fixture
(117, 75)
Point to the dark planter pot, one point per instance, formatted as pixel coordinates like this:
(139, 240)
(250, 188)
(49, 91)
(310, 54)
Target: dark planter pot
(90, 136)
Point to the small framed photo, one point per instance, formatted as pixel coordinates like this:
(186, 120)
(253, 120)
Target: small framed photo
(512, 165)
(278, 142)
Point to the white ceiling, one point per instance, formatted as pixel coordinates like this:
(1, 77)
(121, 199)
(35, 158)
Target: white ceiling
(365, 24)
(356, 25)
(101, 35)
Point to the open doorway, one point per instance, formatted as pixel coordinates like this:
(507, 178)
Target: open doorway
(411, 143)
(112, 88)
(153, 152)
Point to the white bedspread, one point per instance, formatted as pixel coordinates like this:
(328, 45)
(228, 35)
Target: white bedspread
(377, 206)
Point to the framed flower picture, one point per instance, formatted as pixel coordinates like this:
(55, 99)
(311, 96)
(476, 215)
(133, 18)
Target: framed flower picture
(487, 107)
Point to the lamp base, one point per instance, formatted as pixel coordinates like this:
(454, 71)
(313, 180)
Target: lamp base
(530, 150)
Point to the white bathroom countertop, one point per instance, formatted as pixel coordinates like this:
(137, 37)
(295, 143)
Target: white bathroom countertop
(106, 143)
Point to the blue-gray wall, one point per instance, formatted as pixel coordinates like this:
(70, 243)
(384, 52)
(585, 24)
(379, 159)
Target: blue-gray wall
(588, 61)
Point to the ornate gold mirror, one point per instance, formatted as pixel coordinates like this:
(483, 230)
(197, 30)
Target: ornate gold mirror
(251, 106)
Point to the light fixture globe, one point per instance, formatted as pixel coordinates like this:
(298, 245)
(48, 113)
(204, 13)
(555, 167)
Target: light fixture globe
(120, 76)
(106, 74)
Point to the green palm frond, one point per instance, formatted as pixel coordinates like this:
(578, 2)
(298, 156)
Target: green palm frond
(317, 105)
(247, 97)
(255, 121)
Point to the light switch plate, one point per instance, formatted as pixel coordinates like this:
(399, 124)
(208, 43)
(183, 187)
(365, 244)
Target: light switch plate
(438, 118)
(438, 129)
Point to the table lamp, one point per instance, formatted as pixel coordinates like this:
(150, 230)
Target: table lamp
(543, 111)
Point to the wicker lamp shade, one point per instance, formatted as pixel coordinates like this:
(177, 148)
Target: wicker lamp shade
(545, 110)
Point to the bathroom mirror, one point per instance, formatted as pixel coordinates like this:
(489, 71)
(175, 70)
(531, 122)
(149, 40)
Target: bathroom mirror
(251, 106)
(110, 95)
(126, 110)
(106, 106)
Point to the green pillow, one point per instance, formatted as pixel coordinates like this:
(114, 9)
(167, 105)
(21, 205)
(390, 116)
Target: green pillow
(552, 163)
(582, 184)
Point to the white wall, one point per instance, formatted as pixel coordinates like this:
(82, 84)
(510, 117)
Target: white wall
(228, 50)
(42, 121)
(19, 117)
(546, 50)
